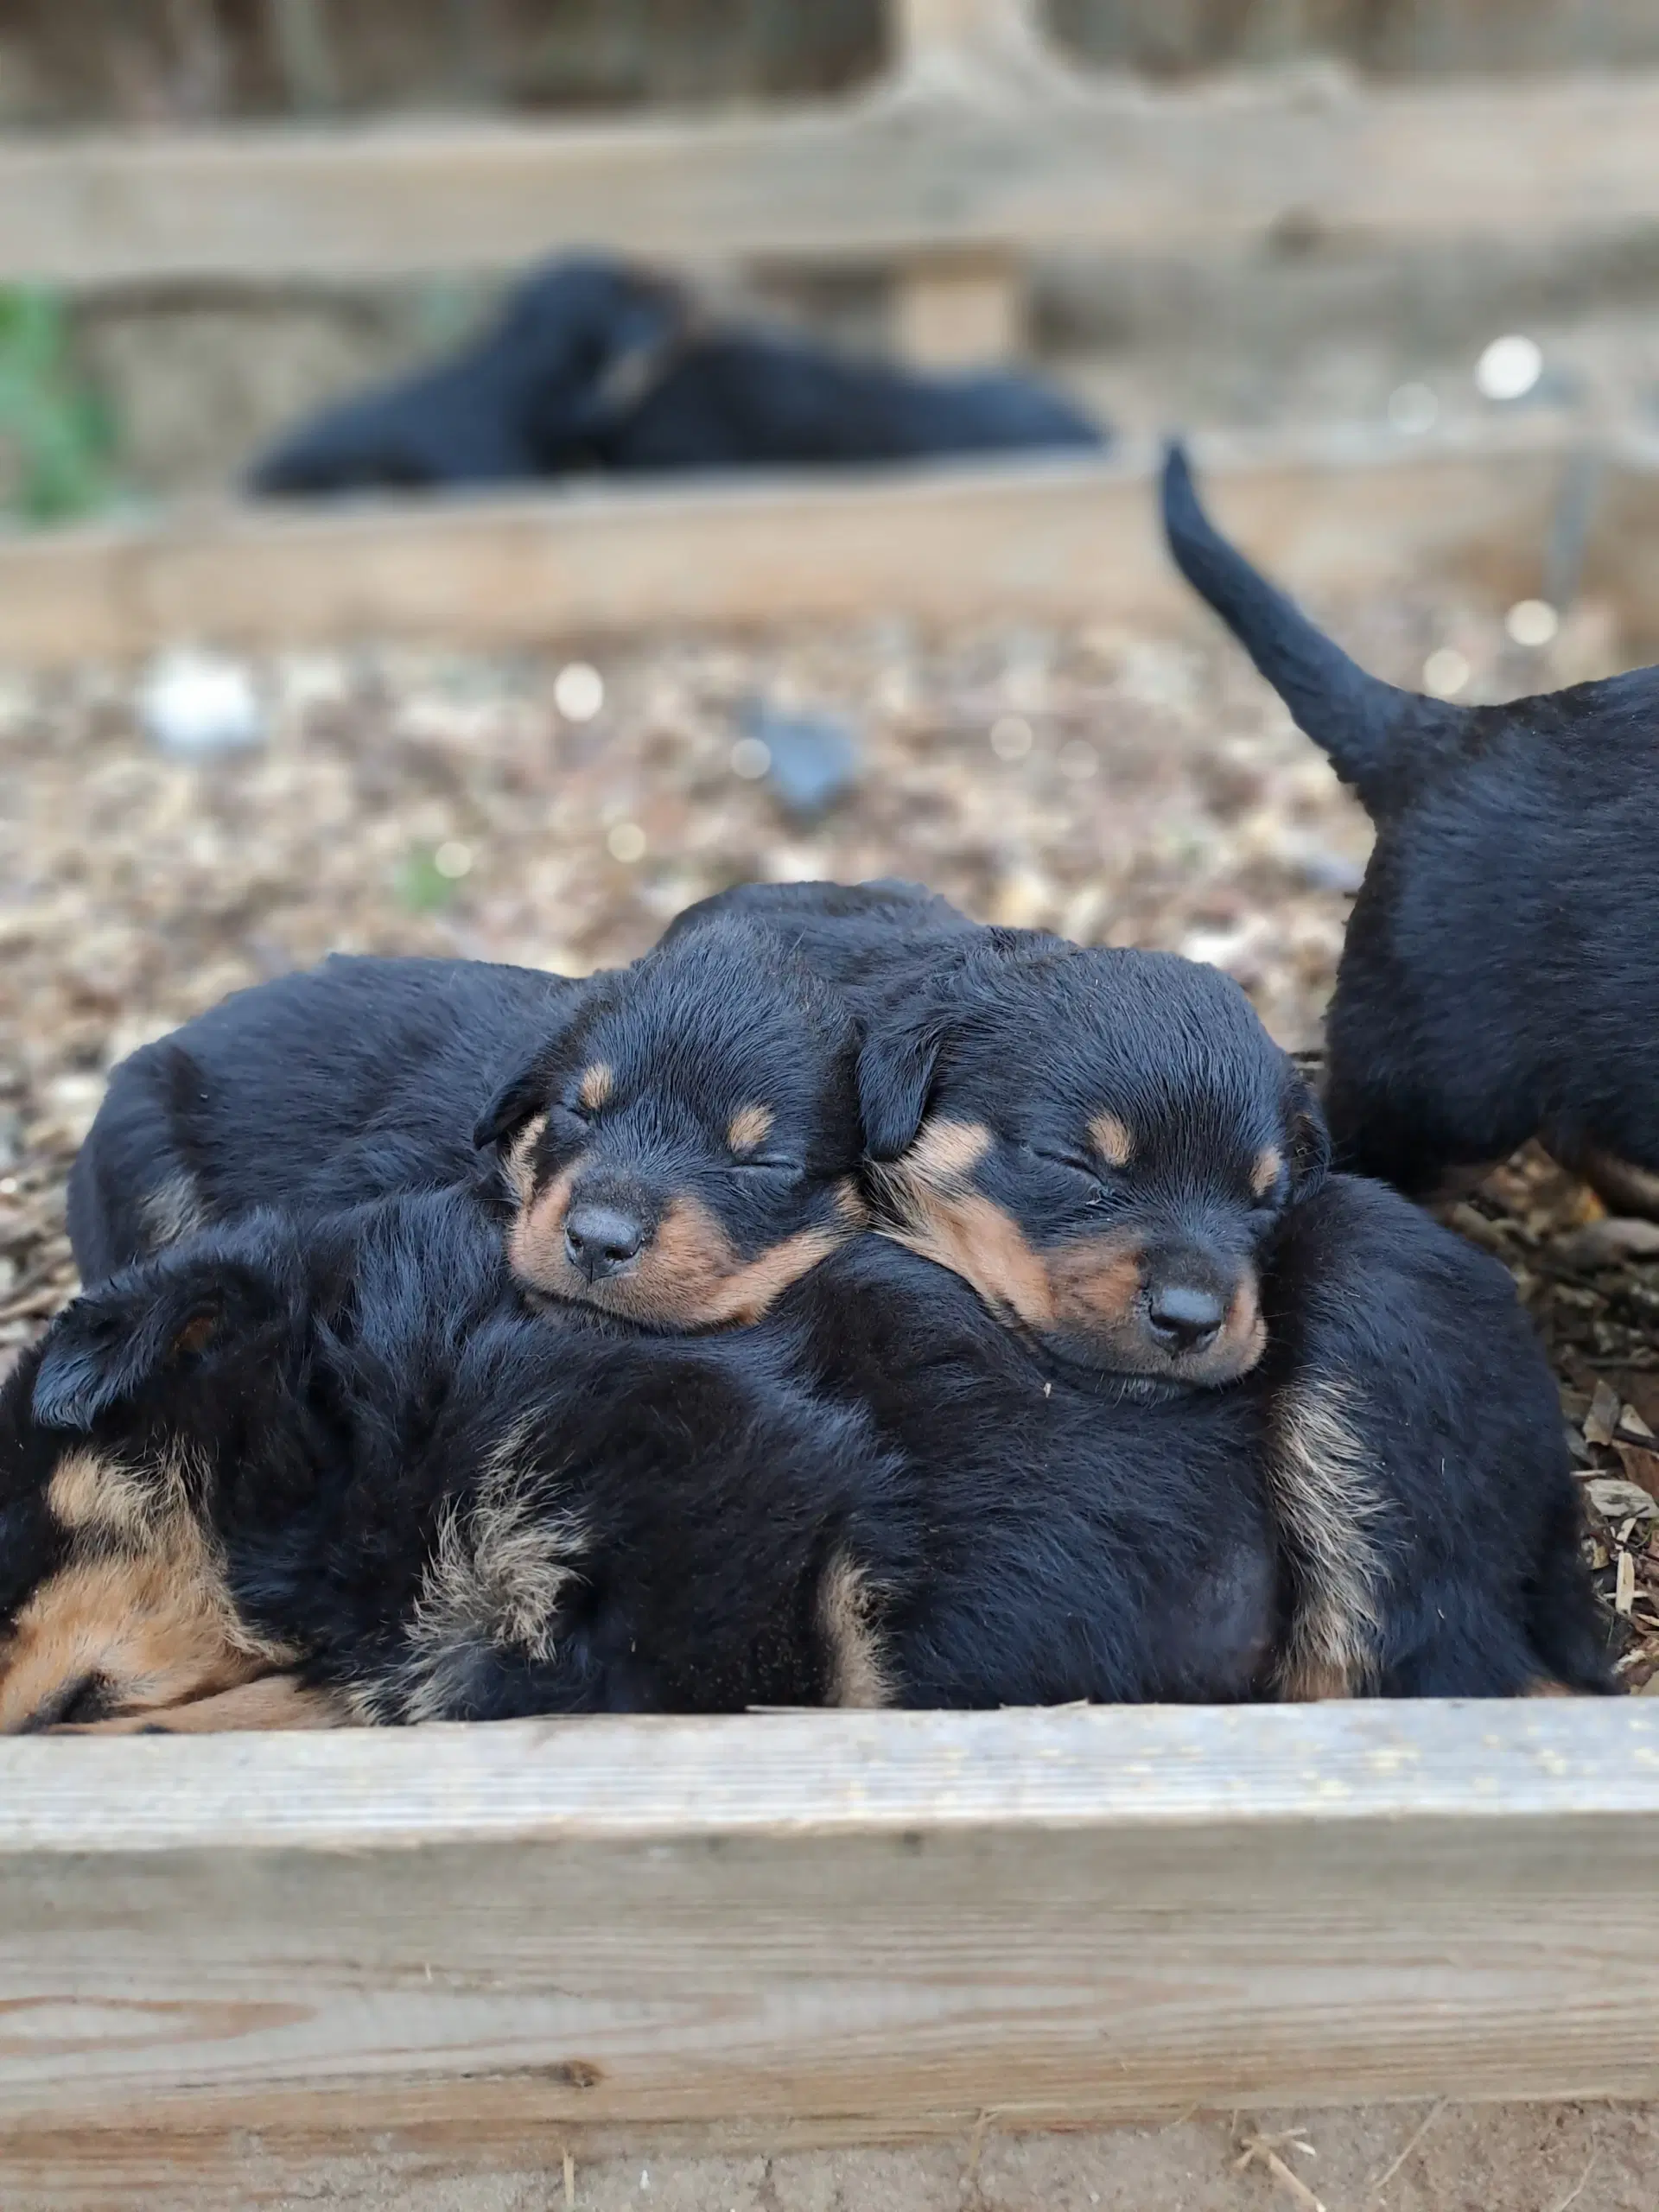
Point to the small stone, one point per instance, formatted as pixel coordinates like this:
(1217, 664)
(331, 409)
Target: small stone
(578, 691)
(193, 705)
(813, 758)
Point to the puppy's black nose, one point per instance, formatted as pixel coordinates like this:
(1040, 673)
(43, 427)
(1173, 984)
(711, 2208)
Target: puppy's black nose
(599, 1242)
(1184, 1317)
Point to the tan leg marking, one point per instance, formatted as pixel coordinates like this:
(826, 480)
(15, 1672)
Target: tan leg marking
(858, 1665)
(1327, 1506)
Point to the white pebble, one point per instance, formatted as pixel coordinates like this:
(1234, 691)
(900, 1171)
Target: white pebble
(453, 858)
(1011, 737)
(1079, 759)
(1509, 367)
(579, 691)
(750, 757)
(1532, 622)
(627, 842)
(194, 703)
(1446, 673)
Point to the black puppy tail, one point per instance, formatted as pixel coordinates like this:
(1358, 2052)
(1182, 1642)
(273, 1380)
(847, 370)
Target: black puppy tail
(1364, 724)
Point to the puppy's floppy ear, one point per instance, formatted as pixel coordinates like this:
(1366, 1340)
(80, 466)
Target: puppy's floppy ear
(126, 1333)
(895, 1078)
(528, 1089)
(524, 1093)
(1309, 1140)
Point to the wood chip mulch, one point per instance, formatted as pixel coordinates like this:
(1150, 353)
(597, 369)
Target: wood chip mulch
(1118, 788)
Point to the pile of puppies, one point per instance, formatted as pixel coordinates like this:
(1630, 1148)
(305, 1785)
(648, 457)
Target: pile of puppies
(845, 1304)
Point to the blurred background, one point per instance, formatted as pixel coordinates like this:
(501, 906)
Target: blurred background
(1396, 261)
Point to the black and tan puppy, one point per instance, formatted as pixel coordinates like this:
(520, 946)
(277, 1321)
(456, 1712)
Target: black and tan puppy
(673, 1141)
(1498, 981)
(687, 1144)
(1104, 1143)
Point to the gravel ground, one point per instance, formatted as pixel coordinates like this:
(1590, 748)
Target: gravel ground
(1119, 788)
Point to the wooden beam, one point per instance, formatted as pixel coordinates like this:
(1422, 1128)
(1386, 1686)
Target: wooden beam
(963, 151)
(1062, 540)
(959, 310)
(473, 1945)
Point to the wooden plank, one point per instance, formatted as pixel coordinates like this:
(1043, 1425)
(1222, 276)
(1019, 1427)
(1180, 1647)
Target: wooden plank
(1349, 513)
(959, 310)
(465, 1947)
(957, 153)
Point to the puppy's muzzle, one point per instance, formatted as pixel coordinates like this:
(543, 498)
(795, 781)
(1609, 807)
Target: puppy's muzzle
(1184, 1317)
(602, 1242)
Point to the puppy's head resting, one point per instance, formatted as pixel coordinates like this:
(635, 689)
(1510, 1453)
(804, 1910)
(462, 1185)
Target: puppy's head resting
(1102, 1142)
(688, 1144)
(118, 1433)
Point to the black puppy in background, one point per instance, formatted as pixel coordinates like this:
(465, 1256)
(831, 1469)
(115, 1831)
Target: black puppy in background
(1500, 978)
(594, 365)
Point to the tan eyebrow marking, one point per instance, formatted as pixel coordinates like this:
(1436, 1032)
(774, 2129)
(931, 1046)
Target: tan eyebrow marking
(749, 1126)
(1112, 1140)
(1269, 1165)
(946, 1152)
(597, 1084)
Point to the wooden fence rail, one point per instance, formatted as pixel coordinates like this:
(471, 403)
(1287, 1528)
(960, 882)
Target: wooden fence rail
(981, 140)
(1349, 513)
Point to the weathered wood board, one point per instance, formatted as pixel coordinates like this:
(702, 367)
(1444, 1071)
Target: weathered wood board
(975, 157)
(1352, 511)
(470, 1946)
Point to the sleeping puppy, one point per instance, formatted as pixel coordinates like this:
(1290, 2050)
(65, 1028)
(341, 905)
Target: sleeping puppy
(297, 1473)
(688, 1143)
(673, 1141)
(302, 1472)
(1104, 1143)
(1498, 979)
(350, 1081)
